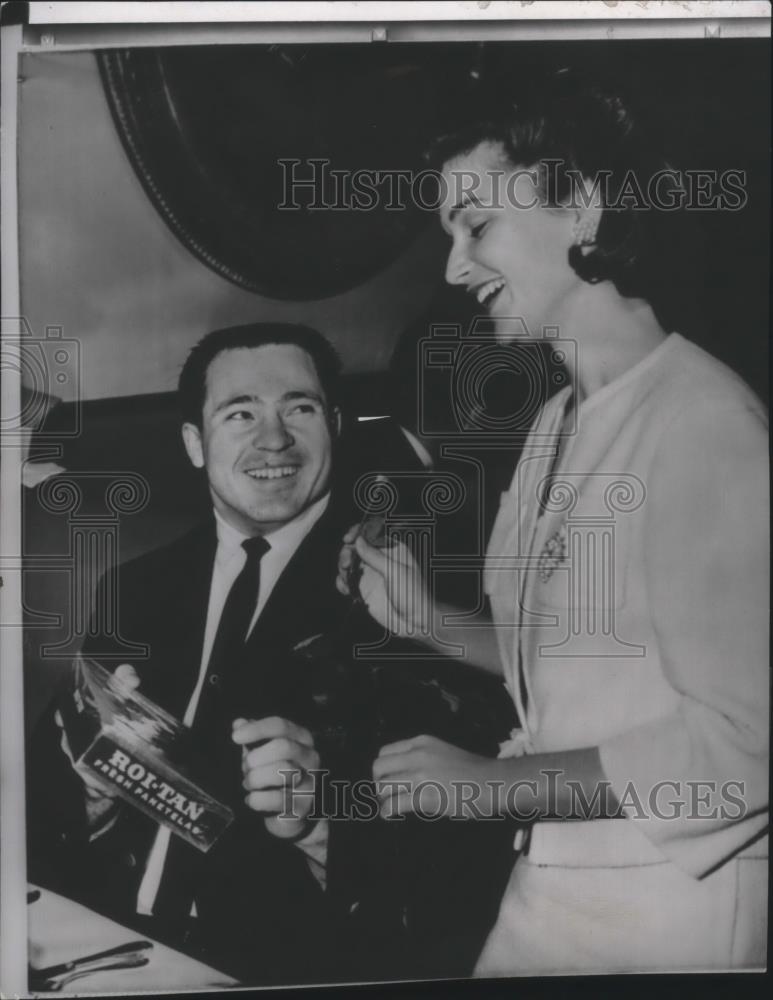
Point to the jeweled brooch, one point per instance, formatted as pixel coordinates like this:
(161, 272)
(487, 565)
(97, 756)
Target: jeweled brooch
(552, 555)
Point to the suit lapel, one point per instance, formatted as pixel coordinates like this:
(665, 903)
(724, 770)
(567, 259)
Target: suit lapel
(303, 603)
(298, 604)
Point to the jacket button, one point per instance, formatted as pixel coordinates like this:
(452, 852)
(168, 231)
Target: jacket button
(130, 860)
(214, 679)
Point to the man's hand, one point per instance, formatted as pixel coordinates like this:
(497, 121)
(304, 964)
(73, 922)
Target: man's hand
(99, 797)
(276, 773)
(427, 775)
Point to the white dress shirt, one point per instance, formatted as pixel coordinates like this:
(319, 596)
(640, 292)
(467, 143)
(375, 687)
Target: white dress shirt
(229, 560)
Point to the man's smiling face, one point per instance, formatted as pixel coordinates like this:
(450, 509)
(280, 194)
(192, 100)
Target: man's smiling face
(266, 439)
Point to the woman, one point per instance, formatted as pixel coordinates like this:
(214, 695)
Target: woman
(627, 574)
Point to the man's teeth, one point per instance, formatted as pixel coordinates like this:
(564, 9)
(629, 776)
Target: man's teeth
(276, 472)
(490, 288)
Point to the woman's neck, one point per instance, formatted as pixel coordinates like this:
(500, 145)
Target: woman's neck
(611, 333)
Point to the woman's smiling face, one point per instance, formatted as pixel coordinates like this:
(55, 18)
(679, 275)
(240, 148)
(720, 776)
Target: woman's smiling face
(508, 250)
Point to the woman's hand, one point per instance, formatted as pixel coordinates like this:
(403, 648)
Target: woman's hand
(390, 584)
(428, 776)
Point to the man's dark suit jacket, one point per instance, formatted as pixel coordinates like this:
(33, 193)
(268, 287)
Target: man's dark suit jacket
(400, 903)
(261, 914)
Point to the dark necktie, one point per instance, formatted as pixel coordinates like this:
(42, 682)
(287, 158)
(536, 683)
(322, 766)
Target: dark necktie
(227, 653)
(211, 728)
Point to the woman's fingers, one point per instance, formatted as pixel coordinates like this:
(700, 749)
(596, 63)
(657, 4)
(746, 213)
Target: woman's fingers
(346, 559)
(373, 557)
(395, 766)
(389, 582)
(351, 534)
(396, 554)
(401, 746)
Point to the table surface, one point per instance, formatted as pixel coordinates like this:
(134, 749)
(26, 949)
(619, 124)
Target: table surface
(61, 930)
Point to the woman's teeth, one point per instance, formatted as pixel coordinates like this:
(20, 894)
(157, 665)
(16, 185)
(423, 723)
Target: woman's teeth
(277, 472)
(486, 292)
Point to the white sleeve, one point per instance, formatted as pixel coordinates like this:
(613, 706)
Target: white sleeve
(707, 570)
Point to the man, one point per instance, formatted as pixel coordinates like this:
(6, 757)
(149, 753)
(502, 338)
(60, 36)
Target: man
(261, 419)
(278, 899)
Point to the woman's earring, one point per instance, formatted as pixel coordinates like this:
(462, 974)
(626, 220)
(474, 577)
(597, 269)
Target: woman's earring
(585, 230)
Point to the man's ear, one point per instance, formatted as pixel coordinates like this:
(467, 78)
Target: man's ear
(192, 442)
(336, 420)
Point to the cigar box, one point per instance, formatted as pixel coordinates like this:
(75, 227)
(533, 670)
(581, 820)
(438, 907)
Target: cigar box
(141, 753)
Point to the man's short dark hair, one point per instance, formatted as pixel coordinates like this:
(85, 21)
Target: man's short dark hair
(192, 386)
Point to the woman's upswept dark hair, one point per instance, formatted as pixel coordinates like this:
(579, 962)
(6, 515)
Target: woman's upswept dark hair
(192, 386)
(569, 126)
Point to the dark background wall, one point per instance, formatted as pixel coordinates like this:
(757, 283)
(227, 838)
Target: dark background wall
(97, 260)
